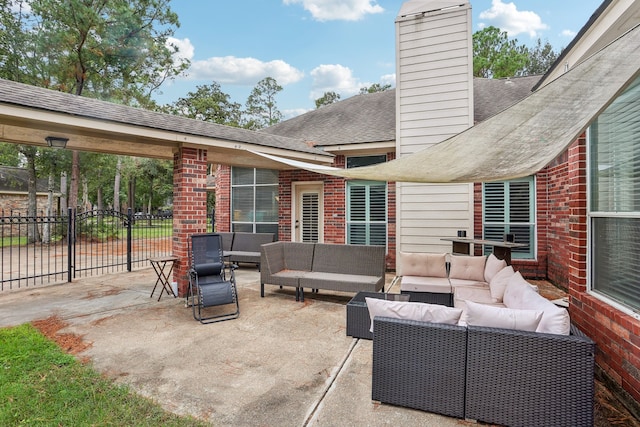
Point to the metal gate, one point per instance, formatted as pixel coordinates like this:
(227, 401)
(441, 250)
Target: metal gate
(42, 250)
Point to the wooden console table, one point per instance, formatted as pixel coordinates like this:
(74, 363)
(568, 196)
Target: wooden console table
(501, 249)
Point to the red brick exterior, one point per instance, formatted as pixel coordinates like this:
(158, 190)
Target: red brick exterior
(189, 207)
(333, 199)
(562, 256)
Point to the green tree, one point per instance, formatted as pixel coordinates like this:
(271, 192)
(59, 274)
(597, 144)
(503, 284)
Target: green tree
(327, 99)
(376, 87)
(261, 108)
(114, 50)
(9, 156)
(495, 56)
(208, 103)
(540, 58)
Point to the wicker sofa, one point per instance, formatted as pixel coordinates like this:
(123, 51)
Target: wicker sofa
(493, 375)
(433, 278)
(244, 247)
(347, 268)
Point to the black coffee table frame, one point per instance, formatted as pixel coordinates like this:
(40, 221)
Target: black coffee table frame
(358, 319)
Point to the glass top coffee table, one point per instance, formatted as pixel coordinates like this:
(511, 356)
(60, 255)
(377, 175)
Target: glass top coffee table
(358, 319)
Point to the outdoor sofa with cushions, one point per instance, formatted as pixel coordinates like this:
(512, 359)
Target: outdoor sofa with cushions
(244, 247)
(501, 375)
(336, 267)
(430, 278)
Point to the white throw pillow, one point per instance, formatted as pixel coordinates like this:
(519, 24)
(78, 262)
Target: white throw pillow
(499, 282)
(505, 318)
(433, 313)
(422, 264)
(467, 267)
(492, 267)
(514, 296)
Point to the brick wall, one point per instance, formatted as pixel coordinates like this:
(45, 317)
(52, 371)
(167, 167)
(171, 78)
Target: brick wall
(189, 207)
(334, 204)
(616, 334)
(223, 198)
(16, 203)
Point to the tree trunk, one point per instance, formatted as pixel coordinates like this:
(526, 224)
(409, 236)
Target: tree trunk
(86, 205)
(46, 227)
(33, 234)
(116, 186)
(73, 187)
(63, 193)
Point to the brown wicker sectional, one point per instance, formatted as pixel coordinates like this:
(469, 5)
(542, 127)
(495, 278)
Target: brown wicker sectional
(499, 376)
(346, 268)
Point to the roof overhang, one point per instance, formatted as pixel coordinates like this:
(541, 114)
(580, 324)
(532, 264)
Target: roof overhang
(28, 125)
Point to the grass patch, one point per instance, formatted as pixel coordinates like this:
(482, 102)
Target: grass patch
(40, 385)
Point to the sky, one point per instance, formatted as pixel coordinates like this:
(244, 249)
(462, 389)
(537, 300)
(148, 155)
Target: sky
(315, 46)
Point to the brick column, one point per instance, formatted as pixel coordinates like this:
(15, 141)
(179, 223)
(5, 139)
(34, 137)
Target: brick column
(189, 207)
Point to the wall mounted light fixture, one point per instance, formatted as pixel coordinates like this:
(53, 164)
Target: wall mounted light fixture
(56, 141)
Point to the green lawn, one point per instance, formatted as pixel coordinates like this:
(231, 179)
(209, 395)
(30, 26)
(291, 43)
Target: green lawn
(40, 385)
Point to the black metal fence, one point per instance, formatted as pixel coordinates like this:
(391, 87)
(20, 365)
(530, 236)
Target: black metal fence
(52, 249)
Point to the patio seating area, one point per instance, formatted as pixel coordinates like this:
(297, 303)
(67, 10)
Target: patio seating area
(281, 363)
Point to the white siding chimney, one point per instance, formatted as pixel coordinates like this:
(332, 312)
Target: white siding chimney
(434, 101)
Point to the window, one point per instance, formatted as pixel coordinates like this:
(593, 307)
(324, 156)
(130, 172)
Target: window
(366, 206)
(254, 200)
(614, 200)
(509, 208)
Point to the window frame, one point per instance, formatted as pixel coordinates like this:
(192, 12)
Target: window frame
(255, 225)
(594, 214)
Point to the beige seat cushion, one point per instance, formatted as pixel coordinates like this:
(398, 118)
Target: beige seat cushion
(492, 267)
(422, 264)
(498, 283)
(438, 285)
(467, 267)
(522, 296)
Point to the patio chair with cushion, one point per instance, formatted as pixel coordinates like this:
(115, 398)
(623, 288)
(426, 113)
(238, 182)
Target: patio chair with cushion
(208, 284)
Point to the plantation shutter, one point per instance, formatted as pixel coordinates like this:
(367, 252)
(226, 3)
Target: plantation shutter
(310, 217)
(508, 209)
(367, 213)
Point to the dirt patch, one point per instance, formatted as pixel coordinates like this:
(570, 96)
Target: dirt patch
(609, 411)
(70, 343)
(94, 295)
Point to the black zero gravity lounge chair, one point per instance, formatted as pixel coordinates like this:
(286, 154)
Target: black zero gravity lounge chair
(208, 284)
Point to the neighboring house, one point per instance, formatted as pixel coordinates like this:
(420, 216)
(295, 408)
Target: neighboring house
(580, 215)
(14, 192)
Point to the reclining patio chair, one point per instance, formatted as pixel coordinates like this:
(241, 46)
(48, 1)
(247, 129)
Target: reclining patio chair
(208, 284)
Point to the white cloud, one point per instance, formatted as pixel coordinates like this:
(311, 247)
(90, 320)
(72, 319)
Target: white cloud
(294, 112)
(185, 49)
(389, 79)
(334, 78)
(243, 71)
(232, 70)
(508, 18)
(330, 10)
(568, 33)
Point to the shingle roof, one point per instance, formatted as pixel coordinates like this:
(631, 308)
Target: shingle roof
(491, 96)
(17, 179)
(372, 117)
(362, 118)
(80, 106)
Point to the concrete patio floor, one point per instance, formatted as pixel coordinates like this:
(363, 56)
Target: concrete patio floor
(281, 363)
